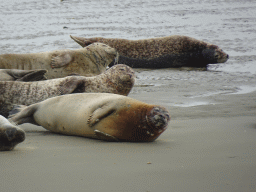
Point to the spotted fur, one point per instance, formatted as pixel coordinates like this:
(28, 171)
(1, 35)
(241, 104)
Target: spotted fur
(119, 79)
(89, 61)
(162, 52)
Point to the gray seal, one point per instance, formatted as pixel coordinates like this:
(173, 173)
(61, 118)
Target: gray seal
(89, 61)
(119, 79)
(162, 52)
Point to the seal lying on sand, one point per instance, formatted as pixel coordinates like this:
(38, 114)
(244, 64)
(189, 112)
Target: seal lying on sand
(10, 135)
(162, 52)
(22, 75)
(88, 61)
(118, 79)
(103, 116)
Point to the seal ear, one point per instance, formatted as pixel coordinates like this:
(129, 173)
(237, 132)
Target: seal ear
(30, 75)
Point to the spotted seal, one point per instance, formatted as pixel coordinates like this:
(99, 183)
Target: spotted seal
(10, 135)
(119, 79)
(162, 52)
(22, 75)
(89, 61)
(103, 116)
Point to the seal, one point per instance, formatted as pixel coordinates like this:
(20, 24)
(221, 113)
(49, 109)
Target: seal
(10, 135)
(118, 79)
(162, 52)
(105, 116)
(22, 75)
(89, 61)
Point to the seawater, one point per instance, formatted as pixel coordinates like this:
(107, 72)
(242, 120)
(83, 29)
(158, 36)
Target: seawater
(29, 26)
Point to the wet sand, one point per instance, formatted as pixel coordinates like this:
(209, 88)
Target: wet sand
(210, 142)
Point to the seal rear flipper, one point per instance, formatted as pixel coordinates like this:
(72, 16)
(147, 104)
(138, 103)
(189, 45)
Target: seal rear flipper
(104, 136)
(22, 114)
(33, 75)
(61, 59)
(82, 41)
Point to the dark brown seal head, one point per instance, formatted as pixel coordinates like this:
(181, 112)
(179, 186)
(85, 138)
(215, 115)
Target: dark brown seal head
(140, 122)
(162, 52)
(10, 135)
(157, 120)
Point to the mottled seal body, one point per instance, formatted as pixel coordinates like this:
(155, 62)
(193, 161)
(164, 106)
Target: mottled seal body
(88, 61)
(104, 116)
(22, 75)
(118, 79)
(162, 52)
(10, 135)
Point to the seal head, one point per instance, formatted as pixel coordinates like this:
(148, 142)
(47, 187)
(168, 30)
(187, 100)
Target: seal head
(156, 122)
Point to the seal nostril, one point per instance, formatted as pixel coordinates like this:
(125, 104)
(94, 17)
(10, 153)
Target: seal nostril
(228, 56)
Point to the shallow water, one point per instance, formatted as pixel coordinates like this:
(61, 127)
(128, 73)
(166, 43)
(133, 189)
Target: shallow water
(34, 26)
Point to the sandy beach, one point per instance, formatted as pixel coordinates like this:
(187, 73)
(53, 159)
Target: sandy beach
(210, 142)
(205, 148)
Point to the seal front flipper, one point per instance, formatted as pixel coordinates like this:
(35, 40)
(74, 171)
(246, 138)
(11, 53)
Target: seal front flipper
(22, 114)
(72, 84)
(61, 59)
(104, 136)
(31, 75)
(100, 113)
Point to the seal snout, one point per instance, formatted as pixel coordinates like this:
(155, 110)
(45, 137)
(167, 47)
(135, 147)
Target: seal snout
(125, 73)
(158, 118)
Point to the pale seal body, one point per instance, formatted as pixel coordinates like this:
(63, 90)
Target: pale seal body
(10, 135)
(22, 75)
(88, 61)
(104, 116)
(162, 52)
(118, 79)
